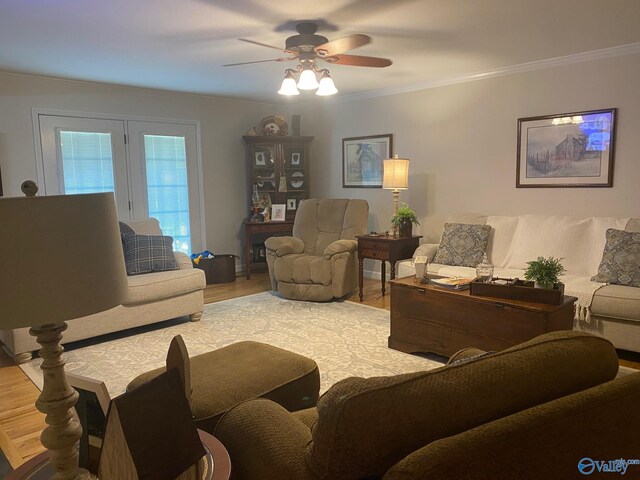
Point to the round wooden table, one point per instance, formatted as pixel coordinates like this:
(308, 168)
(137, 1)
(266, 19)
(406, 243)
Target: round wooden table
(217, 459)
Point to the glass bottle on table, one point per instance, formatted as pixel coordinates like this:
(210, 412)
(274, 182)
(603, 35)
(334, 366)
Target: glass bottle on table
(484, 270)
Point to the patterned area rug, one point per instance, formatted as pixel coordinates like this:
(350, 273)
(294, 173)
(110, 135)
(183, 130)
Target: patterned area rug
(345, 339)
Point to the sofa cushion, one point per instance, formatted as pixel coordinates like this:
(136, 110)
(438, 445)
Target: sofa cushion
(148, 253)
(302, 268)
(462, 244)
(617, 301)
(621, 259)
(150, 287)
(365, 426)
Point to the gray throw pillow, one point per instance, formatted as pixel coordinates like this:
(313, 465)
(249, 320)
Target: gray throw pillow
(148, 253)
(620, 263)
(125, 229)
(462, 245)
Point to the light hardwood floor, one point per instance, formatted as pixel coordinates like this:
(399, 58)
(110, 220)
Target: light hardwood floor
(21, 423)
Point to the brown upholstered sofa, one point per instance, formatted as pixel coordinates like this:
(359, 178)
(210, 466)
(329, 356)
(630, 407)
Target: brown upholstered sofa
(319, 262)
(530, 412)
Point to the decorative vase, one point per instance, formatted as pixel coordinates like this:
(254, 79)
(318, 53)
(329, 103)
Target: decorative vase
(405, 228)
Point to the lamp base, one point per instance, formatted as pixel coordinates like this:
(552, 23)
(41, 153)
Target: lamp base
(62, 434)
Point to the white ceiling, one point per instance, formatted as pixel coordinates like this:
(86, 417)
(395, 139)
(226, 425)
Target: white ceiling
(181, 44)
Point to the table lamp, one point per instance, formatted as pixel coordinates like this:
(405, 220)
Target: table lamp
(395, 178)
(61, 259)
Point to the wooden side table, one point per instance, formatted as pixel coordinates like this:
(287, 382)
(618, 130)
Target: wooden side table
(252, 228)
(217, 461)
(385, 248)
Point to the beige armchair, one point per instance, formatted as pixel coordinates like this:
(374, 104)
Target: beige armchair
(319, 262)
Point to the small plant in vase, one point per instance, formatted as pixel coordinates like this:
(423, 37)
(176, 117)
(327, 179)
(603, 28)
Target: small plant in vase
(545, 272)
(403, 220)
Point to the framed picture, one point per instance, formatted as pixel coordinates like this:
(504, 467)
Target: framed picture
(260, 159)
(292, 203)
(566, 150)
(362, 160)
(278, 212)
(92, 408)
(295, 158)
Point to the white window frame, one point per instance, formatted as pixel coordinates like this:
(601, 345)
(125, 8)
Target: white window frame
(36, 112)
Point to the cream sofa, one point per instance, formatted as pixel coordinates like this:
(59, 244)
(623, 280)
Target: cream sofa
(151, 297)
(612, 311)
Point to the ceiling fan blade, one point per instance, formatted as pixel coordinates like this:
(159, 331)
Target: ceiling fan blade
(344, 44)
(260, 61)
(359, 61)
(265, 45)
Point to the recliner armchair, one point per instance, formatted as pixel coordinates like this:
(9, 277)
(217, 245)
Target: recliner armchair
(319, 262)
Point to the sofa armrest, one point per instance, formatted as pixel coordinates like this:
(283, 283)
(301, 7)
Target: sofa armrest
(264, 440)
(426, 249)
(340, 246)
(284, 245)
(183, 261)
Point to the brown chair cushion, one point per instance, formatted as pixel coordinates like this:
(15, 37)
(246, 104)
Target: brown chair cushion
(223, 378)
(365, 426)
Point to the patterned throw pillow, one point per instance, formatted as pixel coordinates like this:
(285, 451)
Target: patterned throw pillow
(148, 253)
(462, 244)
(621, 259)
(125, 229)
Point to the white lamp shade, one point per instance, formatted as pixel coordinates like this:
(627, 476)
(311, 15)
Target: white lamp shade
(61, 258)
(308, 80)
(289, 86)
(327, 87)
(396, 173)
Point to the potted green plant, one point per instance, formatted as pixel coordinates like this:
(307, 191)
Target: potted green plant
(403, 220)
(544, 271)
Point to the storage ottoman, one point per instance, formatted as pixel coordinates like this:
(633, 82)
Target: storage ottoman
(226, 377)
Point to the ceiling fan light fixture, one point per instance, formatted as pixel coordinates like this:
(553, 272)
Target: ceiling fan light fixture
(288, 86)
(327, 87)
(308, 80)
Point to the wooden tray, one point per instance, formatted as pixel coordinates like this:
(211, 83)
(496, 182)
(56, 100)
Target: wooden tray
(519, 290)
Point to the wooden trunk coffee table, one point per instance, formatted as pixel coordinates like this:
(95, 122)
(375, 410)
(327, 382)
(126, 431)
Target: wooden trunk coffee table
(427, 318)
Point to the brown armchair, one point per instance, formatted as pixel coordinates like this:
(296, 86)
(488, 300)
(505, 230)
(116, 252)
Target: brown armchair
(319, 262)
(530, 412)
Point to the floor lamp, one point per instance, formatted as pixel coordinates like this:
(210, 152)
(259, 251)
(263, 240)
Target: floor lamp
(61, 259)
(395, 178)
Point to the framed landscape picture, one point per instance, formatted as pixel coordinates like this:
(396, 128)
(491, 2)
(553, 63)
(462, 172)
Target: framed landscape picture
(362, 160)
(566, 150)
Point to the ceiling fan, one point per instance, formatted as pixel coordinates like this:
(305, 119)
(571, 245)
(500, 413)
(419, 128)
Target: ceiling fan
(307, 48)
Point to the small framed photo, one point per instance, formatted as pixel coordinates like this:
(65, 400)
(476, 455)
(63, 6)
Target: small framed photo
(278, 212)
(260, 159)
(292, 204)
(92, 408)
(566, 150)
(295, 158)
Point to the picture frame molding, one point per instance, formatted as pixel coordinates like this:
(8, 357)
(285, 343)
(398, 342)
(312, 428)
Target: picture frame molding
(350, 140)
(612, 140)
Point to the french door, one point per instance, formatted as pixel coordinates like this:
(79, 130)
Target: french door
(151, 167)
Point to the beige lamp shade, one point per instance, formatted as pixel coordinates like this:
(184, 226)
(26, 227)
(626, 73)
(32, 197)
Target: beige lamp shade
(396, 173)
(61, 258)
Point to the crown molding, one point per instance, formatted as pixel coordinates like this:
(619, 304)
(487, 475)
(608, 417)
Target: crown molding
(603, 53)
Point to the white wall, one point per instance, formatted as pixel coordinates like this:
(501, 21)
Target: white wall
(461, 140)
(222, 121)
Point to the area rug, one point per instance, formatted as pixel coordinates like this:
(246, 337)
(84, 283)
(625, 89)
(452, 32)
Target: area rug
(344, 338)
